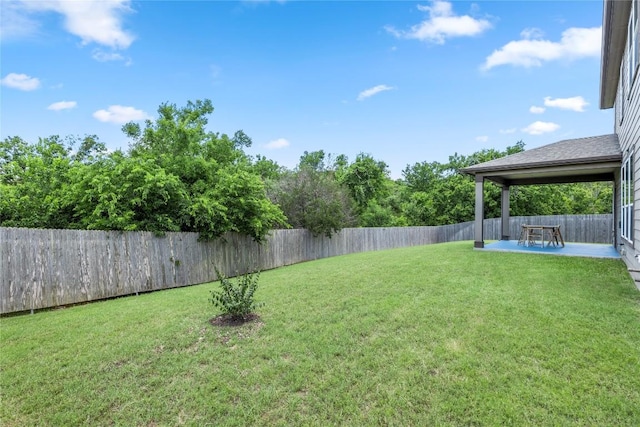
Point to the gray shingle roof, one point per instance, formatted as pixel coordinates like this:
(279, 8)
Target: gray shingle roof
(593, 149)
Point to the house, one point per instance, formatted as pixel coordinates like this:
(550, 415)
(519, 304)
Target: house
(620, 88)
(614, 157)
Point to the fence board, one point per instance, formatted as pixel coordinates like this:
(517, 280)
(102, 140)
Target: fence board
(47, 268)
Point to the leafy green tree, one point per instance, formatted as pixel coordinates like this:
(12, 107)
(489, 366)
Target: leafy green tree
(34, 180)
(221, 189)
(591, 197)
(126, 193)
(236, 300)
(376, 215)
(419, 209)
(439, 193)
(314, 160)
(422, 176)
(176, 176)
(268, 169)
(365, 179)
(387, 209)
(237, 203)
(314, 200)
(559, 199)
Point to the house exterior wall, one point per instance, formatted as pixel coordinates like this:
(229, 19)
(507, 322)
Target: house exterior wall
(627, 127)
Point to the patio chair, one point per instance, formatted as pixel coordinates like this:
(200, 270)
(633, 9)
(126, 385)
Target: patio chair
(556, 237)
(523, 235)
(534, 234)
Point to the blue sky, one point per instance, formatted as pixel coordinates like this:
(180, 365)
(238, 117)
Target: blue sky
(403, 81)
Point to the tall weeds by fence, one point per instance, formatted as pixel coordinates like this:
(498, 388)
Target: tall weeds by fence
(48, 268)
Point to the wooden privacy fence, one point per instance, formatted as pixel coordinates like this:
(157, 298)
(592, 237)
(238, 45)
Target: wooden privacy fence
(48, 268)
(574, 228)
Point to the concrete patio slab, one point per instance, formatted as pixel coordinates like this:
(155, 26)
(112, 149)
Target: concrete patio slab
(590, 250)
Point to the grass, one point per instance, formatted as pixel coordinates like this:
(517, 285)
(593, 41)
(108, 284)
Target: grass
(432, 335)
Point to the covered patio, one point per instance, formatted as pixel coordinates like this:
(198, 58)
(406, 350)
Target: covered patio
(590, 159)
(589, 250)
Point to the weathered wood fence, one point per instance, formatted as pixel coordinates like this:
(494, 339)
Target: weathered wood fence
(48, 268)
(574, 228)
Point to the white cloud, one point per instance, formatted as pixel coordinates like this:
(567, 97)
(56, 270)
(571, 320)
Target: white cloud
(538, 128)
(575, 43)
(508, 131)
(94, 21)
(483, 138)
(215, 70)
(14, 22)
(277, 144)
(20, 81)
(215, 73)
(537, 110)
(102, 56)
(120, 114)
(442, 24)
(372, 91)
(531, 33)
(62, 105)
(576, 103)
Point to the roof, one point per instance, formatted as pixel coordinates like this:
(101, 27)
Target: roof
(593, 158)
(615, 19)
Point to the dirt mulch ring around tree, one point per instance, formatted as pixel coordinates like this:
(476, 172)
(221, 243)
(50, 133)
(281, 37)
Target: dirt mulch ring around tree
(225, 320)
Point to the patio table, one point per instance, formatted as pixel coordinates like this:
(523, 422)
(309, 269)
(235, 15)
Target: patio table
(531, 234)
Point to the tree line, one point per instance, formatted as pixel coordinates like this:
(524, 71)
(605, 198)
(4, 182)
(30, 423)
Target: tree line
(177, 176)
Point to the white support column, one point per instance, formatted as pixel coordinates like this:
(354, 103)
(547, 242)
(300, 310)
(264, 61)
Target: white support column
(479, 224)
(505, 212)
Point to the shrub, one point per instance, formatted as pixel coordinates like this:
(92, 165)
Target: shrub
(314, 200)
(236, 300)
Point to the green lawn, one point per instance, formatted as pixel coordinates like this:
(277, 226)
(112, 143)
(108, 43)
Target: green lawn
(431, 335)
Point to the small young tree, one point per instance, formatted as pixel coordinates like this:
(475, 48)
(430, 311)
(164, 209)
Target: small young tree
(236, 300)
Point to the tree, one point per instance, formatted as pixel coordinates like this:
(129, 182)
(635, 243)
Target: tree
(268, 169)
(387, 209)
(313, 160)
(176, 176)
(439, 193)
(365, 179)
(422, 176)
(311, 196)
(314, 200)
(221, 189)
(128, 193)
(35, 179)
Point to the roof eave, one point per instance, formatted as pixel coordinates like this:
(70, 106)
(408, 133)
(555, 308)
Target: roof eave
(591, 161)
(502, 180)
(614, 36)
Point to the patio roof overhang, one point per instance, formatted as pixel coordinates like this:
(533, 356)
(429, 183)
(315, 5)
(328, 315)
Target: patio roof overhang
(590, 159)
(575, 160)
(588, 172)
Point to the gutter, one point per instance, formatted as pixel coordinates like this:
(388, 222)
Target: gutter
(615, 19)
